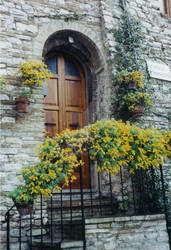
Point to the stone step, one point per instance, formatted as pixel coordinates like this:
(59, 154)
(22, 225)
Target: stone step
(72, 245)
(56, 244)
(77, 203)
(46, 244)
(75, 194)
(72, 210)
(77, 214)
(67, 231)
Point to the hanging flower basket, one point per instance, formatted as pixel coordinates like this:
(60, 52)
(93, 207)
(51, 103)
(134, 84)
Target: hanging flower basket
(139, 111)
(132, 86)
(22, 104)
(24, 209)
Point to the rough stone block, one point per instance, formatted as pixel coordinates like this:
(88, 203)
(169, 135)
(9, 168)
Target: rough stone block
(37, 232)
(4, 97)
(9, 150)
(26, 28)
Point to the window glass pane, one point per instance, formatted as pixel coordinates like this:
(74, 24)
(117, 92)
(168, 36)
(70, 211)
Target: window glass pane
(70, 68)
(51, 63)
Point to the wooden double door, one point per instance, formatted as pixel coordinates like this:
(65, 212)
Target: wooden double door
(65, 103)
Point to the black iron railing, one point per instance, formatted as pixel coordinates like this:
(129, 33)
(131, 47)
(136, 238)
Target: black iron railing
(61, 218)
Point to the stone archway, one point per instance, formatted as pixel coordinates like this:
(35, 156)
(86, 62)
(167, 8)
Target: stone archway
(85, 51)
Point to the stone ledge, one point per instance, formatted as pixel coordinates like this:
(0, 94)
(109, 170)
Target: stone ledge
(126, 218)
(71, 244)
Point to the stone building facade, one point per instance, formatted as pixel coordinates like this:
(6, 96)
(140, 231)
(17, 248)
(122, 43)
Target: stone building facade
(30, 29)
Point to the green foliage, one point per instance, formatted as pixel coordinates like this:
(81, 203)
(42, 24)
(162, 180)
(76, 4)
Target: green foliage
(133, 100)
(131, 76)
(150, 182)
(3, 82)
(124, 78)
(21, 195)
(71, 17)
(131, 44)
(26, 92)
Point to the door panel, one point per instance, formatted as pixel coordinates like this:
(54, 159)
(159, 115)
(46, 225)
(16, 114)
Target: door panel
(52, 92)
(51, 122)
(73, 93)
(70, 68)
(65, 103)
(74, 120)
(51, 62)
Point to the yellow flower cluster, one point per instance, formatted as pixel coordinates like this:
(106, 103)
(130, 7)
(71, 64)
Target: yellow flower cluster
(130, 94)
(132, 99)
(58, 160)
(125, 78)
(33, 73)
(117, 144)
(110, 143)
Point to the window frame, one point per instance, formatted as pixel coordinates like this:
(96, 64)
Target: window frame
(167, 7)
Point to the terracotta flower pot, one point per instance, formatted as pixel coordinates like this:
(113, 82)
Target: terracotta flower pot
(24, 209)
(139, 111)
(132, 85)
(22, 104)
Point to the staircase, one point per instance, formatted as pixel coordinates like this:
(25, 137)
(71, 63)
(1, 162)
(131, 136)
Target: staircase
(59, 222)
(169, 225)
(65, 227)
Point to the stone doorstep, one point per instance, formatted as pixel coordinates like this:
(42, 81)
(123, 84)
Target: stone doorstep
(57, 245)
(72, 244)
(45, 244)
(87, 203)
(76, 195)
(77, 214)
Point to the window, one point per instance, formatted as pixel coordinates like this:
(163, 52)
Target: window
(167, 7)
(164, 6)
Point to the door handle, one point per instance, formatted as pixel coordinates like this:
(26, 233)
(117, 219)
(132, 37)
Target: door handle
(74, 125)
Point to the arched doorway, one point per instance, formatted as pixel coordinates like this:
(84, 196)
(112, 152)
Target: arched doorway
(88, 58)
(88, 55)
(65, 103)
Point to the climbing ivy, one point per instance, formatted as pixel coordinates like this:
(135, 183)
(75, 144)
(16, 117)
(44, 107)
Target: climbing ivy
(129, 60)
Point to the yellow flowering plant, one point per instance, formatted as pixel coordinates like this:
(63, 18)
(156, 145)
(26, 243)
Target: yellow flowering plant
(21, 195)
(33, 73)
(58, 159)
(112, 144)
(125, 78)
(115, 144)
(131, 100)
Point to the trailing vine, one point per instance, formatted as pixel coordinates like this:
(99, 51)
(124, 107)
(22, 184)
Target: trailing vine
(129, 62)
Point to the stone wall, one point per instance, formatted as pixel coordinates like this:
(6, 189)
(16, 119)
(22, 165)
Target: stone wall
(25, 27)
(130, 233)
(156, 27)
(20, 135)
